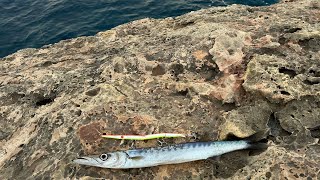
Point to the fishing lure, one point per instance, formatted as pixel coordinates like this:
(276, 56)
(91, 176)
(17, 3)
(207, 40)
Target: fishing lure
(143, 137)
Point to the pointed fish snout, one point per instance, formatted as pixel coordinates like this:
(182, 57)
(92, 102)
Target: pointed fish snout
(81, 160)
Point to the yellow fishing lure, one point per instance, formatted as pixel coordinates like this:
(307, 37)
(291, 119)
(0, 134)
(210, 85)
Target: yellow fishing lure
(143, 137)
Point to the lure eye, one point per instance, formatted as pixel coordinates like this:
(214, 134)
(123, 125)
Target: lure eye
(104, 157)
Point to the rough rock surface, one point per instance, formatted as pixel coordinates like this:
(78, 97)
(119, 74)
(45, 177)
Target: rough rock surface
(235, 69)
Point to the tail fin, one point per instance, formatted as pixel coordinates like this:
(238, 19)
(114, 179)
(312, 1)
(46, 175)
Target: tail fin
(256, 141)
(257, 145)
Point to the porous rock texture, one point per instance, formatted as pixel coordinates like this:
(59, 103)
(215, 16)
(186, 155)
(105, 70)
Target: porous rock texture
(209, 73)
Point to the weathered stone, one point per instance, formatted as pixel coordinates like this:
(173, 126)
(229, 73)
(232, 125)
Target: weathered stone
(246, 120)
(283, 79)
(182, 74)
(226, 89)
(300, 115)
(278, 163)
(228, 48)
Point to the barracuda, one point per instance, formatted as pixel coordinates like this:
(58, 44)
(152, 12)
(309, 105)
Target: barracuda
(174, 154)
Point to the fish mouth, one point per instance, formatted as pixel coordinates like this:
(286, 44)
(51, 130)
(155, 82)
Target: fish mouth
(86, 161)
(81, 160)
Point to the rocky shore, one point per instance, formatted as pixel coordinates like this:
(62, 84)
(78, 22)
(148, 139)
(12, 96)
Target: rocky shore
(212, 72)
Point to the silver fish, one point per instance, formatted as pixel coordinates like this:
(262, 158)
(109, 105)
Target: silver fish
(174, 154)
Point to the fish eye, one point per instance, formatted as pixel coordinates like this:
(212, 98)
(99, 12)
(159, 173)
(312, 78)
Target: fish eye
(104, 157)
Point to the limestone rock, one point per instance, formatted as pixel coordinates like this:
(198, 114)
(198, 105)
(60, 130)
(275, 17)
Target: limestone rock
(228, 48)
(182, 74)
(246, 120)
(281, 79)
(300, 115)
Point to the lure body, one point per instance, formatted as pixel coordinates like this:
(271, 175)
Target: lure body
(144, 137)
(148, 157)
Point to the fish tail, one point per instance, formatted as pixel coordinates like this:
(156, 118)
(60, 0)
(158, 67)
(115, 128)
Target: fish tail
(257, 145)
(256, 141)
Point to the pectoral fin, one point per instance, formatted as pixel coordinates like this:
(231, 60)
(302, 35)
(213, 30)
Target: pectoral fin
(136, 157)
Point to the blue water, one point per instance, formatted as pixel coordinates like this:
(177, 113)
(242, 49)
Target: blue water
(33, 23)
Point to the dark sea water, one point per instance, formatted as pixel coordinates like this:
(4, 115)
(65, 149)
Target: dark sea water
(33, 23)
